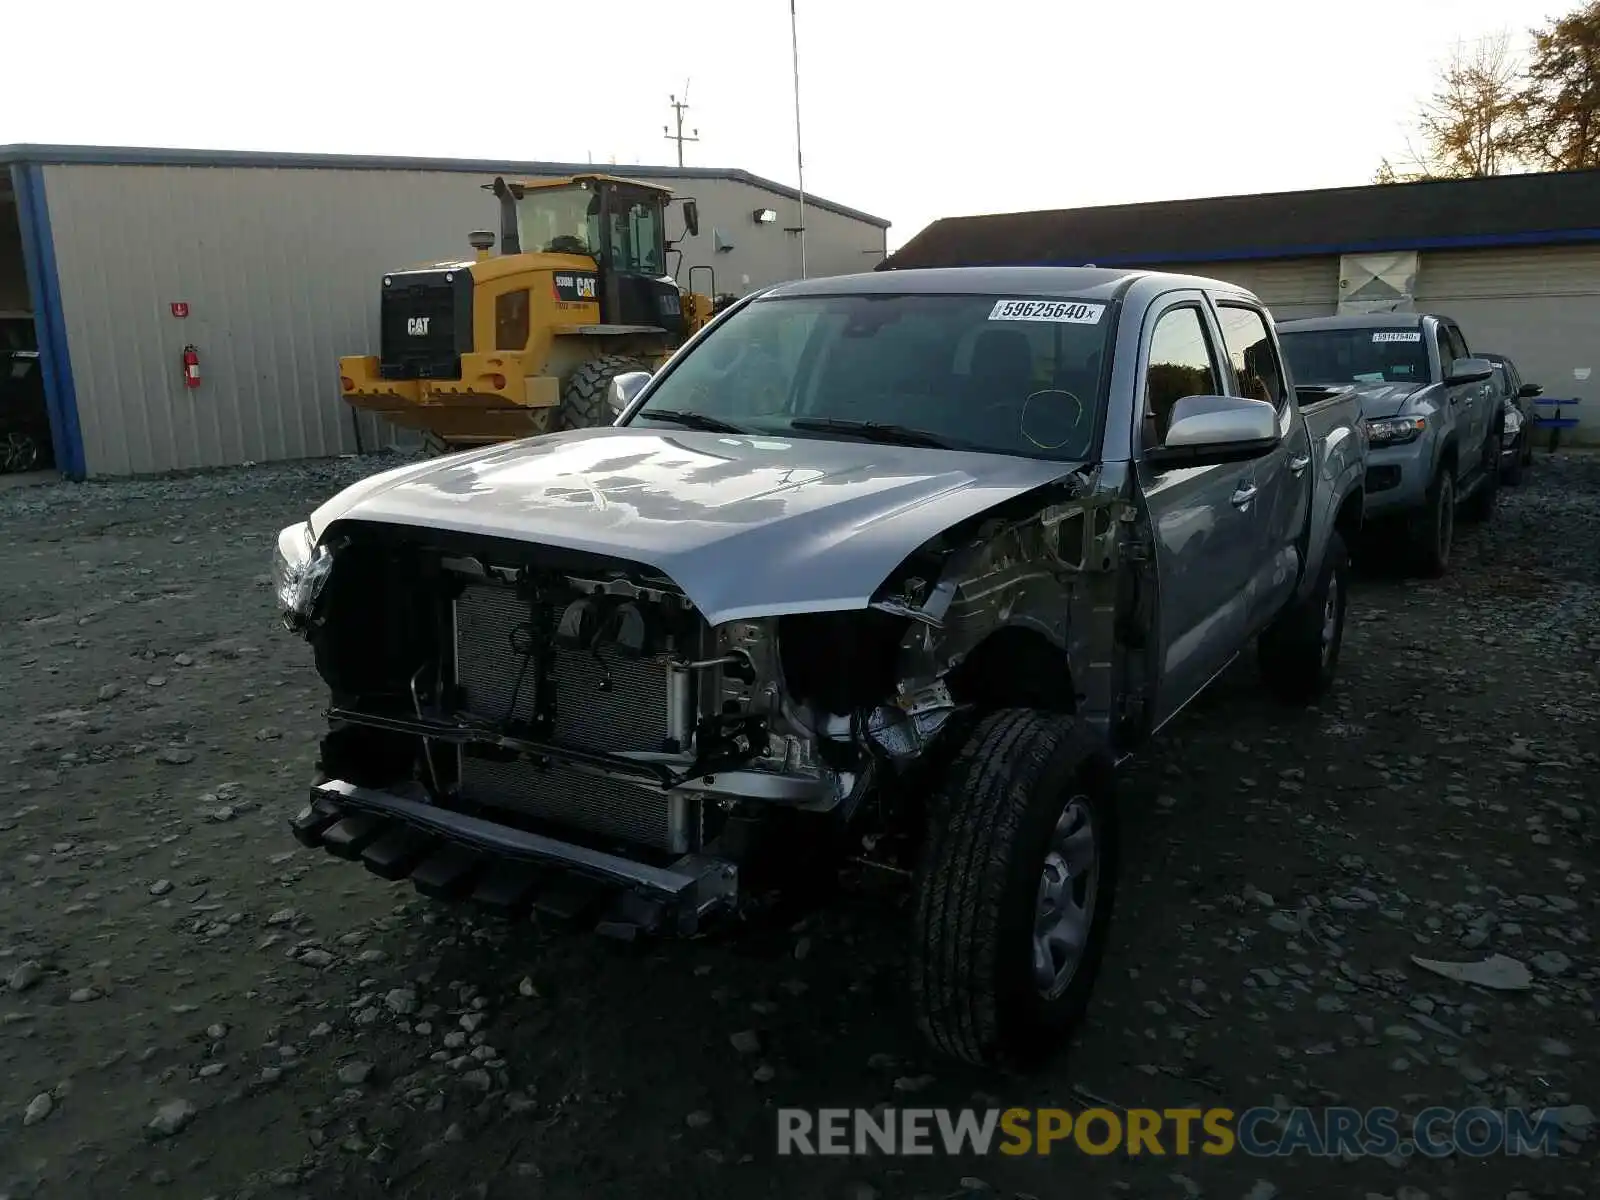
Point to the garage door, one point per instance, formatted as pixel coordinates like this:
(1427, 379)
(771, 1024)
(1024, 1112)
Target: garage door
(1290, 287)
(1539, 306)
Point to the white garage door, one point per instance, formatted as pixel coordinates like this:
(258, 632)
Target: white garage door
(1290, 287)
(1538, 306)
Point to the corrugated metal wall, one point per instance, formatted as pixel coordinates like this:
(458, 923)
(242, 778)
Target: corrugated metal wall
(280, 269)
(1538, 306)
(1290, 287)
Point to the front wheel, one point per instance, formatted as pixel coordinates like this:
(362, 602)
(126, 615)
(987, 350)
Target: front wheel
(1511, 473)
(1299, 652)
(1433, 529)
(1479, 507)
(1015, 889)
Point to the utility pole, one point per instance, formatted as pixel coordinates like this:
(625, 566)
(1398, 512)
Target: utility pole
(679, 107)
(799, 157)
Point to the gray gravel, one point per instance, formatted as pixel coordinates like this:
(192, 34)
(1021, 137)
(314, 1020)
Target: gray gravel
(193, 1006)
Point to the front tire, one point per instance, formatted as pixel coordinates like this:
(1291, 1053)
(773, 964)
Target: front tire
(1511, 474)
(1433, 530)
(1299, 652)
(1479, 507)
(1015, 889)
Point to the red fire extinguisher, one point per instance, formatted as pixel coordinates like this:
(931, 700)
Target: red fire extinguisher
(191, 367)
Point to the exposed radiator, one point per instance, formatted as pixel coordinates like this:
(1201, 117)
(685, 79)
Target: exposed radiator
(631, 715)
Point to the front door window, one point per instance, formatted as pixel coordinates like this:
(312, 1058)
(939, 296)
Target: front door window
(636, 244)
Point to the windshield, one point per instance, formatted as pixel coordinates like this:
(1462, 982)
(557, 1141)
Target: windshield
(971, 372)
(1361, 355)
(559, 221)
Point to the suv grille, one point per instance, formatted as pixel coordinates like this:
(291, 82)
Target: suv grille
(425, 324)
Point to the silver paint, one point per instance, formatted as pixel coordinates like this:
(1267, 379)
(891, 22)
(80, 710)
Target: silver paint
(746, 526)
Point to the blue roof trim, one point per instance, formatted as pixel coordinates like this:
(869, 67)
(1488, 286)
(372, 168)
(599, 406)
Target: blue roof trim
(142, 156)
(1476, 241)
(44, 287)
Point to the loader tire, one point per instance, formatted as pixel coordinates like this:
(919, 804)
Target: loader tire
(1018, 870)
(583, 403)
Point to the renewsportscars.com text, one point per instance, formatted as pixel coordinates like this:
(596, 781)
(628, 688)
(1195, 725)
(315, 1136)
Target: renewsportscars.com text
(1258, 1132)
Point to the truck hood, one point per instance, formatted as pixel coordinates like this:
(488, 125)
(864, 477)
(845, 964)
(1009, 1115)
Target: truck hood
(1380, 400)
(747, 526)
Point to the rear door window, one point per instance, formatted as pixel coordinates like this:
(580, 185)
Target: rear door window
(1249, 346)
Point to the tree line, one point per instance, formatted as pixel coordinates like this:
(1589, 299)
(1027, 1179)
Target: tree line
(1498, 109)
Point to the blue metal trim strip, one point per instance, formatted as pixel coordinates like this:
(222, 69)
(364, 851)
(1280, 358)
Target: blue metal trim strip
(44, 287)
(1473, 241)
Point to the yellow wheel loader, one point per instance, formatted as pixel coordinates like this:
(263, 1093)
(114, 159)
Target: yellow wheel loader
(528, 340)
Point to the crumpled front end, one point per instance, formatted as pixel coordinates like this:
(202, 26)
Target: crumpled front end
(542, 727)
(505, 706)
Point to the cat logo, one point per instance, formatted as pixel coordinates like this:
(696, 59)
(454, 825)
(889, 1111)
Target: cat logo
(417, 326)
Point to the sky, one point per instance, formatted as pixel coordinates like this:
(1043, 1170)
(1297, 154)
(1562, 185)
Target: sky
(910, 111)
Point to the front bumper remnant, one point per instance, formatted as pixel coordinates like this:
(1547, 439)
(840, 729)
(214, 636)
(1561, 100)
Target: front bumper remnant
(456, 856)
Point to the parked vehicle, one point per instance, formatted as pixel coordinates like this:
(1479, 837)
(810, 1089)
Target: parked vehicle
(24, 420)
(1516, 442)
(894, 566)
(528, 340)
(1432, 413)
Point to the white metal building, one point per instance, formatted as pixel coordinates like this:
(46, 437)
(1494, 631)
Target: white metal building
(269, 266)
(1515, 259)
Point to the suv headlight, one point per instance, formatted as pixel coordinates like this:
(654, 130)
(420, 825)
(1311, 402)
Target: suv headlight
(1513, 426)
(1395, 431)
(300, 568)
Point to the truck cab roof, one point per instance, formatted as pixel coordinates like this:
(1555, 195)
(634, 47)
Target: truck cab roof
(530, 185)
(1084, 283)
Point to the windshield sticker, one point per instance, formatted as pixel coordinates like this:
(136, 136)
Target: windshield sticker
(1069, 312)
(1398, 335)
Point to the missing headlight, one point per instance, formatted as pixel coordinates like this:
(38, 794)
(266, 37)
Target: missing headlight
(300, 570)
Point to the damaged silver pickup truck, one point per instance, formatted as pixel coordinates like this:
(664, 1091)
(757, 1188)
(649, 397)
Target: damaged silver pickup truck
(892, 567)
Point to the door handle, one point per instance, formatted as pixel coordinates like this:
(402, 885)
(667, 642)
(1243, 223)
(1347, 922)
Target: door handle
(1245, 494)
(1299, 463)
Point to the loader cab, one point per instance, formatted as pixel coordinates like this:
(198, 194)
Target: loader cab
(619, 223)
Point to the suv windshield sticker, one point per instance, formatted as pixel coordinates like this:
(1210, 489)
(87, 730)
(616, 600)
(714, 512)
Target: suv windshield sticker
(1397, 335)
(1068, 311)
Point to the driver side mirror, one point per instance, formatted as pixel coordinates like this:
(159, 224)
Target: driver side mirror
(691, 218)
(1207, 430)
(1469, 370)
(1529, 390)
(624, 388)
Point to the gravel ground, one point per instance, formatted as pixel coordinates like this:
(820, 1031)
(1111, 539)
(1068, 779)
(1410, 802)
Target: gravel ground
(190, 1005)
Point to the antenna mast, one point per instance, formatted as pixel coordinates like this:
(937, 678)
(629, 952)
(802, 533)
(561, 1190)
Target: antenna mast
(799, 158)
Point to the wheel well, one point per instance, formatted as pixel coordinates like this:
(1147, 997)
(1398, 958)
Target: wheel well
(1447, 454)
(1015, 668)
